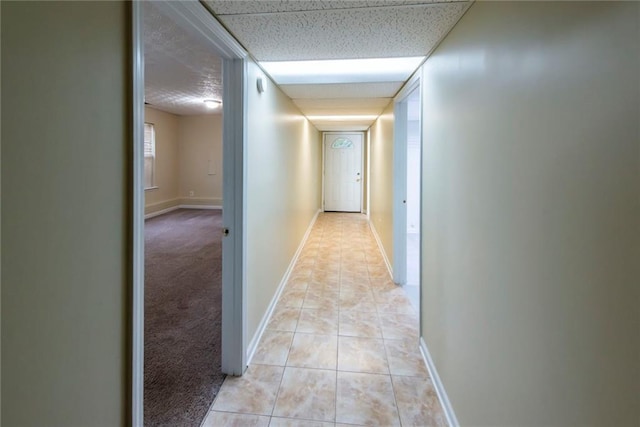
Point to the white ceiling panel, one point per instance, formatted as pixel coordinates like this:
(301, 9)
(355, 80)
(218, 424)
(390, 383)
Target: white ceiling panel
(342, 106)
(237, 7)
(356, 90)
(179, 71)
(375, 32)
(341, 127)
(342, 102)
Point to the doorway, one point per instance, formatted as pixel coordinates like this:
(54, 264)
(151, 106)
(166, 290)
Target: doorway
(196, 21)
(343, 172)
(407, 200)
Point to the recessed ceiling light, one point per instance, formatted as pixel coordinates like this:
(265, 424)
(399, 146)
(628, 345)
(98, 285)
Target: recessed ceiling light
(343, 70)
(212, 103)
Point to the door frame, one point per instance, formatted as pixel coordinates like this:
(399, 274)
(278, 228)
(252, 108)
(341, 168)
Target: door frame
(400, 179)
(196, 20)
(362, 177)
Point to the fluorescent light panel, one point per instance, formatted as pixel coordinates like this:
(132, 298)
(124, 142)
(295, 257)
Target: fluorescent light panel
(342, 70)
(345, 118)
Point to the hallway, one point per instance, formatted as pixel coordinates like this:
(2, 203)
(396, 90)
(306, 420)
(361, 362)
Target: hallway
(341, 346)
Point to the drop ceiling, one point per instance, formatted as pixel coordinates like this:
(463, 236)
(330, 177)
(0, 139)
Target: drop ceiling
(283, 30)
(180, 71)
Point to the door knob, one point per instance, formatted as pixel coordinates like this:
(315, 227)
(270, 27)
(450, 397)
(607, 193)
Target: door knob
(225, 231)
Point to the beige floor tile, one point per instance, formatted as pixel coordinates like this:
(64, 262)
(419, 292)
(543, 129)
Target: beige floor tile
(357, 354)
(297, 284)
(366, 399)
(313, 351)
(357, 301)
(359, 324)
(324, 301)
(319, 322)
(382, 284)
(395, 293)
(301, 273)
(252, 393)
(284, 319)
(328, 275)
(229, 419)
(273, 348)
(399, 326)
(405, 358)
(307, 393)
(292, 297)
(418, 402)
(293, 422)
(397, 305)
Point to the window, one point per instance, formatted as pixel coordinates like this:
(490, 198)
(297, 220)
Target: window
(149, 156)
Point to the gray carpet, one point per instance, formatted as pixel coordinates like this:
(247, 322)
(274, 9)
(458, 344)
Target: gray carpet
(183, 309)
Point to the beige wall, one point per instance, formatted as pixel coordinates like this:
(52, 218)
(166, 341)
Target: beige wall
(65, 145)
(531, 214)
(184, 147)
(381, 179)
(167, 169)
(201, 159)
(284, 156)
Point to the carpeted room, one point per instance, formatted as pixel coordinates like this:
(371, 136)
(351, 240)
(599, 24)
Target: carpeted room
(182, 267)
(183, 202)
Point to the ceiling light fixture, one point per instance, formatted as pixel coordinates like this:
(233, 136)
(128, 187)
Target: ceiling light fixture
(342, 70)
(343, 118)
(212, 103)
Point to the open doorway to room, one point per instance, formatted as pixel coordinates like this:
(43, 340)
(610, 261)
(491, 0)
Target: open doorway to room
(183, 223)
(407, 212)
(413, 177)
(186, 249)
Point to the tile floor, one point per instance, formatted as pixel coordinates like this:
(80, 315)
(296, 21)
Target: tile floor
(341, 347)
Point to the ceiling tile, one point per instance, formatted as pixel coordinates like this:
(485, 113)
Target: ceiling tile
(234, 7)
(356, 90)
(378, 32)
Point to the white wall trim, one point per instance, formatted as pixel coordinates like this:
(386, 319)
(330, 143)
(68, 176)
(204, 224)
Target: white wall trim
(253, 344)
(137, 220)
(437, 384)
(174, 208)
(382, 251)
(211, 207)
(161, 212)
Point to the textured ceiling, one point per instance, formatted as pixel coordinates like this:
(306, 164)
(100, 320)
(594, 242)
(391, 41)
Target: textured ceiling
(180, 72)
(375, 32)
(284, 30)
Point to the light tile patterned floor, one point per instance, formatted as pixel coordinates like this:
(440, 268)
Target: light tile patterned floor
(341, 347)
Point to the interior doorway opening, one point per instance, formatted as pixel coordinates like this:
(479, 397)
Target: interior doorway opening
(413, 179)
(195, 23)
(407, 191)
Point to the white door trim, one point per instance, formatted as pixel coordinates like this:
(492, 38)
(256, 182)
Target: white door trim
(362, 177)
(195, 19)
(137, 220)
(400, 181)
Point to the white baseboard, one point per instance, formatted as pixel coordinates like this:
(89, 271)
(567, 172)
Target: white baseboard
(437, 384)
(213, 207)
(253, 344)
(161, 212)
(173, 208)
(382, 251)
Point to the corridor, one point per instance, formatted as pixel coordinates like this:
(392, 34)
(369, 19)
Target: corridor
(341, 347)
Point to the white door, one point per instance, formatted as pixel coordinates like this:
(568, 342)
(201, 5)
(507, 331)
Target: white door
(343, 172)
